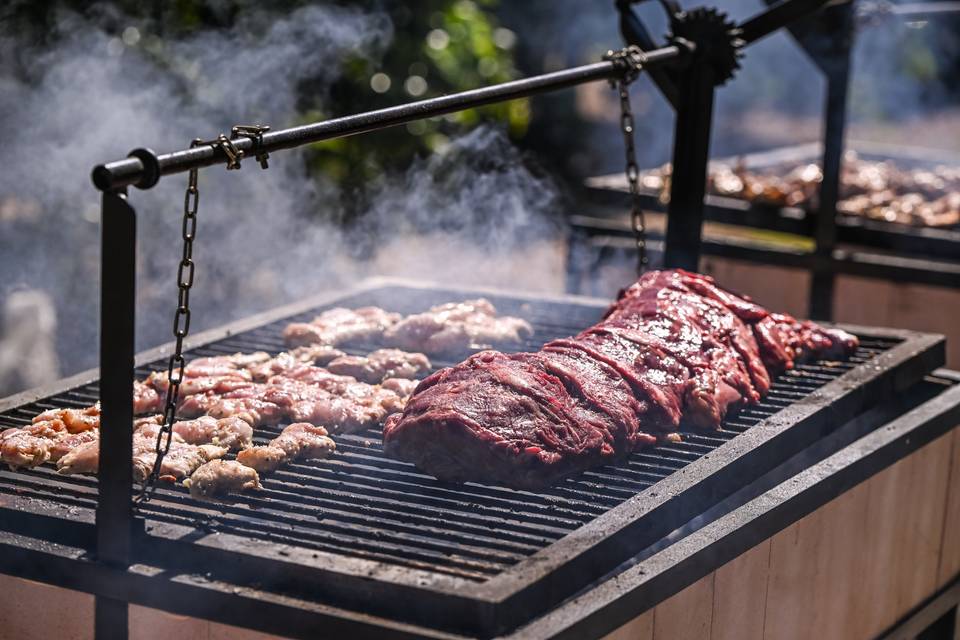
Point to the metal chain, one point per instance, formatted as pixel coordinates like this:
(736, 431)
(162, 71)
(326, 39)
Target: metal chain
(181, 327)
(631, 60)
(185, 273)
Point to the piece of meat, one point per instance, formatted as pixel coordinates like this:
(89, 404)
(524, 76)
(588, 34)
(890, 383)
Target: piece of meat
(231, 432)
(284, 363)
(179, 462)
(456, 327)
(400, 386)
(76, 420)
(380, 365)
(674, 350)
(221, 477)
(20, 449)
(336, 326)
(298, 441)
(145, 398)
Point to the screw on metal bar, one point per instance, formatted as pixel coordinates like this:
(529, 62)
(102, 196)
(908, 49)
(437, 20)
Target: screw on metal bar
(630, 60)
(255, 133)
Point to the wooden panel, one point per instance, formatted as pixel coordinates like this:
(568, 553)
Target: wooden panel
(793, 578)
(905, 512)
(950, 554)
(153, 624)
(33, 611)
(226, 632)
(687, 615)
(926, 308)
(640, 628)
(779, 288)
(739, 588)
(863, 301)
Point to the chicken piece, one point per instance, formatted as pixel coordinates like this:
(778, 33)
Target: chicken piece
(76, 420)
(400, 386)
(67, 443)
(20, 449)
(235, 365)
(287, 361)
(360, 407)
(455, 327)
(298, 441)
(179, 462)
(339, 325)
(221, 477)
(145, 398)
(231, 432)
(85, 458)
(191, 386)
(381, 364)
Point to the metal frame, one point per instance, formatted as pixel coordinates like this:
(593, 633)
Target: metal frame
(143, 168)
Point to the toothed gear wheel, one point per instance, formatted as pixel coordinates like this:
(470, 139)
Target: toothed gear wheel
(717, 39)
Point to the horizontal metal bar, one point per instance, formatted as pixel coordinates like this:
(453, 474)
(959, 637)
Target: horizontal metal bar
(777, 17)
(131, 171)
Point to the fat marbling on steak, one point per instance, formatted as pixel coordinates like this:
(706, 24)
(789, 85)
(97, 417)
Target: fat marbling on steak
(674, 346)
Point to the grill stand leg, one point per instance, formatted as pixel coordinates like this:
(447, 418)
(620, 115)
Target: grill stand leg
(837, 70)
(115, 475)
(691, 148)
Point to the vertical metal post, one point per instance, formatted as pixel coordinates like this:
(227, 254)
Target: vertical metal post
(115, 475)
(837, 69)
(691, 148)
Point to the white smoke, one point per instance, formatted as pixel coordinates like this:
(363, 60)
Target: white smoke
(459, 216)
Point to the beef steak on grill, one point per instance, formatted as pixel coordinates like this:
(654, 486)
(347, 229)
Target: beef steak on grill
(674, 347)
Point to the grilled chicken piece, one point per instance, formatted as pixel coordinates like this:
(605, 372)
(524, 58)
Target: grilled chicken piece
(86, 457)
(400, 386)
(20, 449)
(455, 327)
(288, 361)
(221, 477)
(76, 420)
(180, 461)
(336, 326)
(381, 364)
(232, 432)
(299, 441)
(236, 365)
(145, 398)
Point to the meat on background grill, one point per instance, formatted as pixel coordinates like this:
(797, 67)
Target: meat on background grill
(872, 189)
(674, 346)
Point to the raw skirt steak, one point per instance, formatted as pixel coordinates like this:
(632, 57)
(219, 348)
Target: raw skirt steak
(674, 347)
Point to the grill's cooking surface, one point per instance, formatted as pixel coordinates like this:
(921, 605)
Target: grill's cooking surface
(360, 504)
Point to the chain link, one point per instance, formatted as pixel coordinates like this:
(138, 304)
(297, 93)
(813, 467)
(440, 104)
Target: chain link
(630, 60)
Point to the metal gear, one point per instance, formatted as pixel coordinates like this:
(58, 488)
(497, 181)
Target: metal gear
(717, 39)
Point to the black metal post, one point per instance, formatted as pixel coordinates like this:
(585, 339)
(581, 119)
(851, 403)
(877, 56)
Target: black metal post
(688, 182)
(115, 474)
(837, 70)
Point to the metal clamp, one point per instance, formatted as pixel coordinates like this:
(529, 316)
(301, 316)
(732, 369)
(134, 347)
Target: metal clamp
(255, 133)
(629, 60)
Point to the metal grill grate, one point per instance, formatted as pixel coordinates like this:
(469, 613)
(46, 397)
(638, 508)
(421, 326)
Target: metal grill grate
(360, 504)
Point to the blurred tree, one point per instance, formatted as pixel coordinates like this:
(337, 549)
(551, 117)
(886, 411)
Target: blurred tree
(441, 46)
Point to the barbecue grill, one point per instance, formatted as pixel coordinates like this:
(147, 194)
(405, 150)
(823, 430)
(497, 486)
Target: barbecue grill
(882, 250)
(366, 533)
(365, 545)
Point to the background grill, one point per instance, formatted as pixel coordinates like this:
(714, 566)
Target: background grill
(359, 504)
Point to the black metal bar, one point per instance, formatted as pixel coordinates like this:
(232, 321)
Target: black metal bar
(837, 69)
(131, 171)
(778, 16)
(691, 149)
(635, 32)
(117, 312)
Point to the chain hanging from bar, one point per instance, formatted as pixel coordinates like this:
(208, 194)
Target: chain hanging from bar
(630, 60)
(185, 273)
